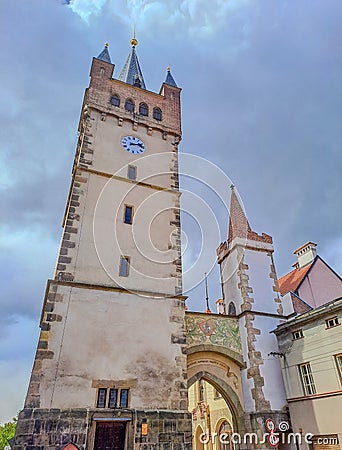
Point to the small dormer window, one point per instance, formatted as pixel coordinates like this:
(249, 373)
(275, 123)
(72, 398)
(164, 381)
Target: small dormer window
(129, 105)
(332, 322)
(157, 114)
(143, 109)
(115, 100)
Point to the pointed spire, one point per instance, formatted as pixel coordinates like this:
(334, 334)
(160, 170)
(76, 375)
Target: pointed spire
(104, 55)
(208, 311)
(131, 72)
(169, 78)
(238, 223)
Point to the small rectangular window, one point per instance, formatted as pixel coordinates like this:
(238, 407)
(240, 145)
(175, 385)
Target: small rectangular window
(101, 398)
(113, 397)
(307, 379)
(128, 216)
(124, 266)
(298, 334)
(332, 322)
(123, 398)
(132, 172)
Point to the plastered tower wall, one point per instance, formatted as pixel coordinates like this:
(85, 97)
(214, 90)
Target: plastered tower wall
(100, 330)
(249, 281)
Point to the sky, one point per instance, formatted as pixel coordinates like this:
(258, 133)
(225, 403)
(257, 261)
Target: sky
(261, 102)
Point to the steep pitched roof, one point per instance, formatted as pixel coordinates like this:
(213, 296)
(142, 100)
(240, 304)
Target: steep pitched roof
(169, 78)
(292, 280)
(131, 72)
(239, 225)
(104, 55)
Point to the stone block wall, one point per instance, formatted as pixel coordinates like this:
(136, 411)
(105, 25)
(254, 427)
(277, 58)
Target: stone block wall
(53, 429)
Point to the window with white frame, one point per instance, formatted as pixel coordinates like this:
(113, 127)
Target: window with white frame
(338, 359)
(307, 379)
(332, 322)
(298, 334)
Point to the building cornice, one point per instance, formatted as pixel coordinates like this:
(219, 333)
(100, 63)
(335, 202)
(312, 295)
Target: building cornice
(310, 316)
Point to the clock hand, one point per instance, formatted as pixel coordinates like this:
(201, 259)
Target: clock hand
(140, 145)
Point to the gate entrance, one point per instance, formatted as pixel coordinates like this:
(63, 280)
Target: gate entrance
(212, 418)
(110, 436)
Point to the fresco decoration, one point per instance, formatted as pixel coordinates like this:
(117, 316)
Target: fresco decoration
(222, 330)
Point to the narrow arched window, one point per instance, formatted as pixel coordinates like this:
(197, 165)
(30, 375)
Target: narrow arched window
(225, 434)
(231, 309)
(157, 113)
(115, 100)
(129, 105)
(143, 109)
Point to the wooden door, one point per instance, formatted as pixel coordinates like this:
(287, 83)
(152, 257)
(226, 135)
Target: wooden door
(110, 436)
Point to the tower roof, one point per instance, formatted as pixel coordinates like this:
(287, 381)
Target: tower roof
(239, 225)
(131, 72)
(169, 78)
(104, 55)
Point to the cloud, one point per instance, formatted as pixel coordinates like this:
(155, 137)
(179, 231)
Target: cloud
(25, 273)
(86, 8)
(194, 15)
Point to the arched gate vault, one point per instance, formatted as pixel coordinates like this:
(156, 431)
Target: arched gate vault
(214, 354)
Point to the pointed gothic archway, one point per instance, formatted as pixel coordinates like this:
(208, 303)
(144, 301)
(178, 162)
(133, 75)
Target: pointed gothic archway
(227, 394)
(214, 356)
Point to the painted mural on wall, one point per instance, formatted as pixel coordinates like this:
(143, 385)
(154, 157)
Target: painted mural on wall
(215, 330)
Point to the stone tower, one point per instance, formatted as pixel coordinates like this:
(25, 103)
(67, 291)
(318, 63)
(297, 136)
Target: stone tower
(110, 367)
(250, 292)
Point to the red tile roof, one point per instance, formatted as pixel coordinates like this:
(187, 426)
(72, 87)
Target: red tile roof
(291, 280)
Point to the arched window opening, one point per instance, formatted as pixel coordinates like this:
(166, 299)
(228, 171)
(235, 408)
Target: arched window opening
(157, 113)
(143, 109)
(115, 100)
(129, 105)
(199, 438)
(225, 432)
(231, 309)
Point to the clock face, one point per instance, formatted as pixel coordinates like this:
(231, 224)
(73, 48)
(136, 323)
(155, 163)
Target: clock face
(133, 145)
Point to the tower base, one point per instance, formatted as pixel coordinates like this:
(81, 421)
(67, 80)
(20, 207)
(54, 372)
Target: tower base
(88, 429)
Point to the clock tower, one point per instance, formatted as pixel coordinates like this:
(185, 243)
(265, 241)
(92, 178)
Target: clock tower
(110, 366)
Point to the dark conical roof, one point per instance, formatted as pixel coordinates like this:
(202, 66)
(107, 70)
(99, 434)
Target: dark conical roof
(104, 55)
(169, 79)
(131, 72)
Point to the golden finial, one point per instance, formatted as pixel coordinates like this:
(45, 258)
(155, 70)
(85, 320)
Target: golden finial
(134, 41)
(168, 68)
(106, 45)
